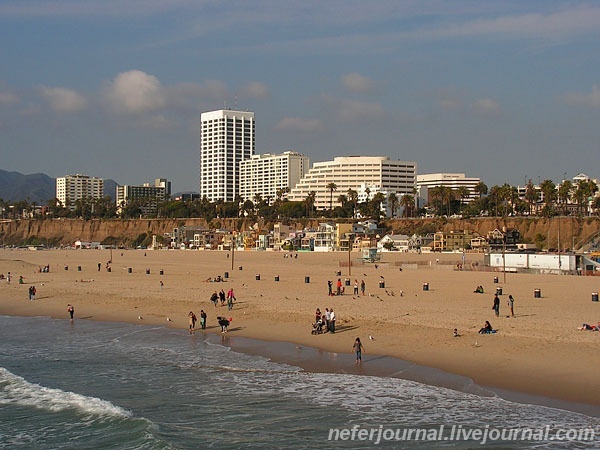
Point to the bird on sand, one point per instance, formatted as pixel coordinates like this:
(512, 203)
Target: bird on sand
(371, 337)
(140, 317)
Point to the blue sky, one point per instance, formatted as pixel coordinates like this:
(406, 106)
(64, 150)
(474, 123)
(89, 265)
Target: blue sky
(501, 90)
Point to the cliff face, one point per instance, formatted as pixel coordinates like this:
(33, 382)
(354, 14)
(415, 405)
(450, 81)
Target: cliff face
(572, 231)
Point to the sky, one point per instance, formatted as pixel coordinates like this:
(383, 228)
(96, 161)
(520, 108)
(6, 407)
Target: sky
(505, 91)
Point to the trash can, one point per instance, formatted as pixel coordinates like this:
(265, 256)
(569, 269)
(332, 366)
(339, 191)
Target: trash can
(276, 277)
(108, 269)
(594, 296)
(498, 291)
(382, 284)
(147, 271)
(495, 279)
(537, 293)
(258, 277)
(425, 286)
(129, 270)
(240, 268)
(338, 273)
(307, 279)
(162, 272)
(347, 281)
(78, 268)
(226, 275)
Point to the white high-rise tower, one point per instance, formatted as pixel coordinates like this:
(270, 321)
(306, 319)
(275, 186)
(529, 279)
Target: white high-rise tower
(226, 138)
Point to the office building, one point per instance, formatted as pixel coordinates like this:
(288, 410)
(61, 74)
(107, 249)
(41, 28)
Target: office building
(71, 188)
(226, 138)
(270, 176)
(147, 196)
(454, 181)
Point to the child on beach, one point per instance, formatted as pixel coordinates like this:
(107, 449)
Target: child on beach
(71, 311)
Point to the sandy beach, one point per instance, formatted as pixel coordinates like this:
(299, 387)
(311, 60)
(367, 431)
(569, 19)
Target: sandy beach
(540, 351)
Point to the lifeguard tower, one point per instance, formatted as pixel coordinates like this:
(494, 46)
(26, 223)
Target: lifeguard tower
(370, 254)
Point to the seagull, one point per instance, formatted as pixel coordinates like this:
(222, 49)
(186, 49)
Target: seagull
(476, 344)
(371, 337)
(381, 276)
(168, 319)
(140, 317)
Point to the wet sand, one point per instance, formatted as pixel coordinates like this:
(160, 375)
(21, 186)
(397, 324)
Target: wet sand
(540, 352)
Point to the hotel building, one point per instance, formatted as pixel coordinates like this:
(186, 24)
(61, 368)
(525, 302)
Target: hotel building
(267, 175)
(226, 138)
(379, 173)
(71, 188)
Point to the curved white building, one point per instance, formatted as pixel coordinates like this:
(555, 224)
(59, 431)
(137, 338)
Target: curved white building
(379, 173)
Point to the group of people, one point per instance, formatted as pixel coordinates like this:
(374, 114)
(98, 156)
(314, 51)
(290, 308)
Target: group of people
(44, 269)
(511, 305)
(340, 288)
(324, 323)
(228, 298)
(32, 292)
(194, 319)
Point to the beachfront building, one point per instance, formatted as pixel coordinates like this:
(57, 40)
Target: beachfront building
(350, 172)
(226, 138)
(448, 241)
(146, 196)
(455, 181)
(269, 176)
(71, 188)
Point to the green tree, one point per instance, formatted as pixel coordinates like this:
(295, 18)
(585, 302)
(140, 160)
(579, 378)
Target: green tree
(331, 187)
(393, 202)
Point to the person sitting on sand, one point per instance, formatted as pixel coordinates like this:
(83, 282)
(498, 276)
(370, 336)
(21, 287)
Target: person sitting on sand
(589, 327)
(478, 290)
(487, 328)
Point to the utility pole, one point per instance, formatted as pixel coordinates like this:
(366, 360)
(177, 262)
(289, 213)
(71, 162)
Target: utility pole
(232, 249)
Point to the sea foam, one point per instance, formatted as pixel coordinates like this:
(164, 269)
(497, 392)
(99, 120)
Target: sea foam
(16, 390)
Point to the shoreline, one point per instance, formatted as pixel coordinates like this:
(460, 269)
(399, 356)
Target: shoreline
(547, 361)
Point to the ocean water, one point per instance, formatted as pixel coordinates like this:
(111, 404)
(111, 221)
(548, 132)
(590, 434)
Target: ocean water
(124, 386)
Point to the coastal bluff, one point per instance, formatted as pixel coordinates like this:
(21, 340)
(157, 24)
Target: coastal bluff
(570, 231)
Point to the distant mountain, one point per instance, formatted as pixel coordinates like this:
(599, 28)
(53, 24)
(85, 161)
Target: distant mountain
(38, 187)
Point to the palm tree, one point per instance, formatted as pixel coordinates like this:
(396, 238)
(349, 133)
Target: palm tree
(548, 189)
(531, 195)
(564, 193)
(393, 202)
(481, 188)
(463, 192)
(331, 187)
(353, 198)
(407, 202)
(310, 202)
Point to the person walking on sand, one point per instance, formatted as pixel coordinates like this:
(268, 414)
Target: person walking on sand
(222, 297)
(338, 286)
(193, 319)
(496, 306)
(214, 298)
(511, 305)
(330, 287)
(230, 299)
(71, 311)
(355, 286)
(203, 319)
(362, 287)
(358, 348)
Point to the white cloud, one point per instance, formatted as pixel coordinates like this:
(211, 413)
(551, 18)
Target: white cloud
(63, 100)
(357, 83)
(299, 124)
(135, 92)
(351, 110)
(486, 105)
(256, 89)
(591, 99)
(8, 98)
